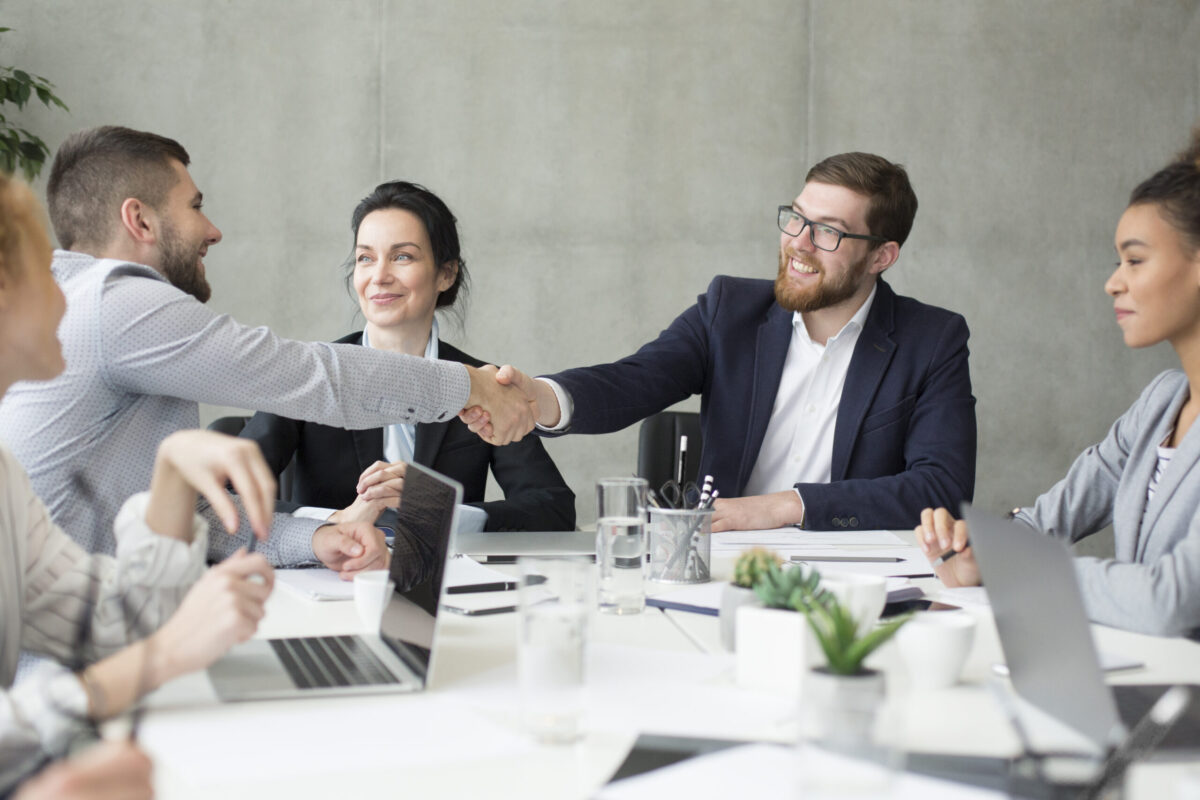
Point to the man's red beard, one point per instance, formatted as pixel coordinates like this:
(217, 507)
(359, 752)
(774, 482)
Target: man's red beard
(827, 292)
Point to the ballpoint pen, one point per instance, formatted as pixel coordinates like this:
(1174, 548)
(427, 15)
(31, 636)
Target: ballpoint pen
(681, 464)
(850, 559)
(949, 554)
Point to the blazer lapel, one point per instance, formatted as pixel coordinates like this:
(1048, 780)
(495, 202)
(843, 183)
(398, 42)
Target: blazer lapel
(770, 352)
(872, 354)
(1182, 463)
(368, 447)
(429, 441)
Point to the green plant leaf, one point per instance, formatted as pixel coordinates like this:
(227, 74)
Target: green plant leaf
(873, 639)
(31, 152)
(22, 76)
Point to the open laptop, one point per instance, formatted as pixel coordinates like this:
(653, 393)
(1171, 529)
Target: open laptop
(399, 658)
(504, 548)
(1047, 640)
(1044, 630)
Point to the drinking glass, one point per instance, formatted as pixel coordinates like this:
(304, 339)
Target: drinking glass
(555, 600)
(621, 544)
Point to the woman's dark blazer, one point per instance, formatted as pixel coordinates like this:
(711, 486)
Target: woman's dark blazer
(329, 460)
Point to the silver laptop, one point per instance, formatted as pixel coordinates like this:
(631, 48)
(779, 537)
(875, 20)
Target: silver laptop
(1044, 630)
(500, 548)
(399, 658)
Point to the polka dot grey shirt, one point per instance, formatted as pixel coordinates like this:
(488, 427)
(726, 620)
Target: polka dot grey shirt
(141, 355)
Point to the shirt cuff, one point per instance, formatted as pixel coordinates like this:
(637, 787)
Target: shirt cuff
(803, 509)
(566, 408)
(146, 558)
(51, 702)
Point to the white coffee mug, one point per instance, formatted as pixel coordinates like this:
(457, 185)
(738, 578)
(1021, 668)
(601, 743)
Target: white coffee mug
(372, 590)
(934, 646)
(864, 596)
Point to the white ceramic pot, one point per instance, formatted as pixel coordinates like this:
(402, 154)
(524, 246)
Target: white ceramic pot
(840, 711)
(733, 597)
(774, 649)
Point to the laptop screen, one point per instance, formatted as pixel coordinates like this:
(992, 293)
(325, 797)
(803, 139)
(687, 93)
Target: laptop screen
(424, 524)
(1044, 630)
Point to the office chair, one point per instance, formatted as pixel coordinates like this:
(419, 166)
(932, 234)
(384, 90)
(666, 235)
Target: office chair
(232, 426)
(658, 446)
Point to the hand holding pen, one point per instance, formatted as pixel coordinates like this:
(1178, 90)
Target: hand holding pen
(944, 541)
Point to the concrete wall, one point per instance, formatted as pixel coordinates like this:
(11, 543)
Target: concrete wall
(606, 159)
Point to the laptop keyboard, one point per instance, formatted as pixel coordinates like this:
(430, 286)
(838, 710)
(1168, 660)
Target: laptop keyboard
(318, 662)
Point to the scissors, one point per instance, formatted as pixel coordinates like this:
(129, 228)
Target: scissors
(680, 496)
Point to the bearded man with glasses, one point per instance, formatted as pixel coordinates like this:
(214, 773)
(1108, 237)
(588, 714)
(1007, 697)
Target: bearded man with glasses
(828, 401)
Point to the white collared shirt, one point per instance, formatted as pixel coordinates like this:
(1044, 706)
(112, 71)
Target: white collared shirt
(399, 440)
(798, 445)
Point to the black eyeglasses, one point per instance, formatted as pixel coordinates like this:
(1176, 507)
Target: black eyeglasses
(823, 237)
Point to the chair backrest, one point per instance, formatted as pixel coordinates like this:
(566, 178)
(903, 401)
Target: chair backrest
(228, 425)
(658, 446)
(232, 426)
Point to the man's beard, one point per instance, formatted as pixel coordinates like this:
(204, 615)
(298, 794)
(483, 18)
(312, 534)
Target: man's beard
(180, 265)
(827, 292)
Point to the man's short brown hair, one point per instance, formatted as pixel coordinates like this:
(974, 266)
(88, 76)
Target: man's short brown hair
(893, 202)
(95, 171)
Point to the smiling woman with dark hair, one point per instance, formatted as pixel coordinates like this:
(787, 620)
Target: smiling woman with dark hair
(406, 265)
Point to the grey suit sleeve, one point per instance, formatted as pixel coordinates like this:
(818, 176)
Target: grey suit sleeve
(1161, 596)
(1082, 502)
(158, 340)
(289, 544)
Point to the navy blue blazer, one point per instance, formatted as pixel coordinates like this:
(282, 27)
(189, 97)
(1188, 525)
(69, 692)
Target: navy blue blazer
(905, 435)
(329, 460)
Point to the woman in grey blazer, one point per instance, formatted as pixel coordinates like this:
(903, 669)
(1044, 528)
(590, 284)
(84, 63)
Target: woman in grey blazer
(1144, 477)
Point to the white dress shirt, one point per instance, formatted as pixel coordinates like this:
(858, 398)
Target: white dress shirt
(400, 439)
(798, 445)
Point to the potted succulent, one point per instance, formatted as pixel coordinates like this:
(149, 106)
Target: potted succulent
(774, 643)
(750, 565)
(842, 698)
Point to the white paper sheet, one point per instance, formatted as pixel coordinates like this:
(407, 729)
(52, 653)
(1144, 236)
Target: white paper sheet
(654, 691)
(963, 596)
(913, 561)
(708, 595)
(806, 540)
(225, 744)
(324, 584)
(315, 584)
(772, 771)
(701, 595)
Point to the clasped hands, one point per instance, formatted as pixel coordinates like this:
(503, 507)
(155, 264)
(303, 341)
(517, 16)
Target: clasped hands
(505, 403)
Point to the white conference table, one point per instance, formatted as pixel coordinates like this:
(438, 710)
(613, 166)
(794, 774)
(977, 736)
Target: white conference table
(656, 672)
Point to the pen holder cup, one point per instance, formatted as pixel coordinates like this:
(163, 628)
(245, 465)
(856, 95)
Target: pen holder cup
(680, 545)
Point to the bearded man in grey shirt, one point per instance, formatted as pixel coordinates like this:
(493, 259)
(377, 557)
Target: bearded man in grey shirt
(142, 351)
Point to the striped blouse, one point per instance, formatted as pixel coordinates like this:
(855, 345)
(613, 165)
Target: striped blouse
(46, 584)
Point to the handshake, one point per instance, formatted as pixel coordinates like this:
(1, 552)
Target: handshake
(505, 403)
